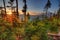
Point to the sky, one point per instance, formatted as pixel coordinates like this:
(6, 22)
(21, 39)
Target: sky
(36, 5)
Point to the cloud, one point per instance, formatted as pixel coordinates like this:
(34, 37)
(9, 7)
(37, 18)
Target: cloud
(20, 12)
(34, 13)
(30, 12)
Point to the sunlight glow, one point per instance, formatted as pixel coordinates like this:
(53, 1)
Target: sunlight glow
(9, 12)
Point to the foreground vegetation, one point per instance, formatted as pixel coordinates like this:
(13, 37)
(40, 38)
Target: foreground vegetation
(32, 30)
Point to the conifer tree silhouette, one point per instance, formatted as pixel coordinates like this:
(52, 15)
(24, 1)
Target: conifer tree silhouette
(24, 9)
(17, 9)
(47, 6)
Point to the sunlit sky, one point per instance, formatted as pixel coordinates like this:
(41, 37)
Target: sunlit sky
(35, 5)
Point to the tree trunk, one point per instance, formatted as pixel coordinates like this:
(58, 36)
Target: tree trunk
(4, 6)
(47, 13)
(17, 8)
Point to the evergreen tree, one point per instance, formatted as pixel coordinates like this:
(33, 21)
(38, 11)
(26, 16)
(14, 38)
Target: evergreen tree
(17, 8)
(24, 9)
(11, 4)
(58, 12)
(47, 6)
